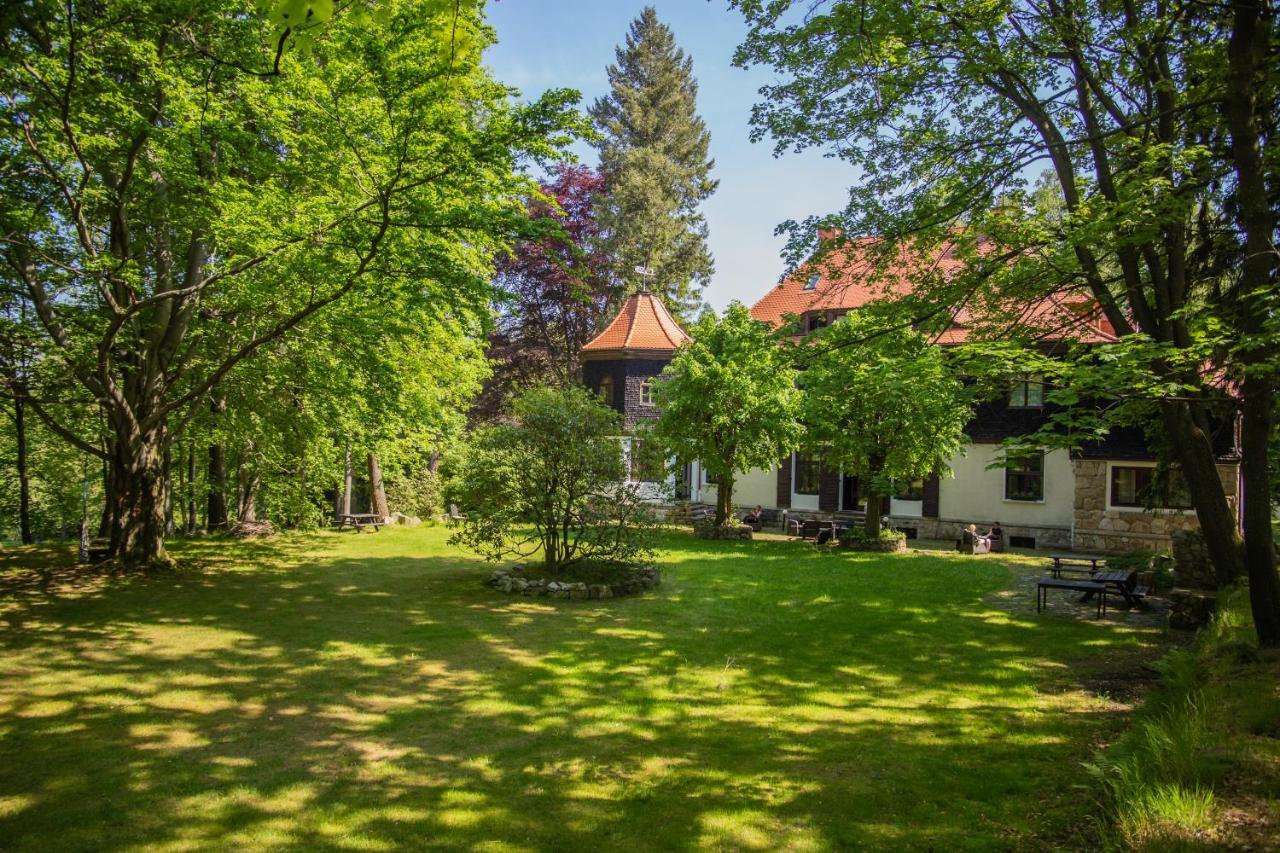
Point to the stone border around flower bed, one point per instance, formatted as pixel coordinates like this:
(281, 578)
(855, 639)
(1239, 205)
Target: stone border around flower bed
(710, 530)
(876, 546)
(637, 580)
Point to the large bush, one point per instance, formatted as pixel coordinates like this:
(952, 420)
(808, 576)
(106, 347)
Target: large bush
(551, 481)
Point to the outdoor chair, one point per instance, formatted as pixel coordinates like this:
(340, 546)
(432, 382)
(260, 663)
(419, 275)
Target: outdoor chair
(454, 515)
(970, 544)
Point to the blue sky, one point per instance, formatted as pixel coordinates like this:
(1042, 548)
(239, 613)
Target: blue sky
(568, 43)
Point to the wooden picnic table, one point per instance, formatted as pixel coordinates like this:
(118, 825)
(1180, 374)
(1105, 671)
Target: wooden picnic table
(360, 520)
(1084, 564)
(1122, 583)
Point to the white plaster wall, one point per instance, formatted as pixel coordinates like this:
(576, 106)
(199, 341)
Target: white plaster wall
(906, 509)
(976, 493)
(757, 486)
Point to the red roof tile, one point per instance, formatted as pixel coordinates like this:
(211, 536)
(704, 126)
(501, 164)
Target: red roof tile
(847, 279)
(643, 325)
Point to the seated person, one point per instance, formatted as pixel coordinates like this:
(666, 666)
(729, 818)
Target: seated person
(973, 542)
(995, 537)
(755, 518)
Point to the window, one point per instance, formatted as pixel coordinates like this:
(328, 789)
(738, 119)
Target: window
(646, 392)
(1138, 486)
(1024, 479)
(912, 491)
(807, 475)
(1027, 392)
(605, 390)
(812, 283)
(816, 322)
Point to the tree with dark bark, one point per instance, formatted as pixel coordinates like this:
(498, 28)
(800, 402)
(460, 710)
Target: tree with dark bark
(1152, 119)
(169, 220)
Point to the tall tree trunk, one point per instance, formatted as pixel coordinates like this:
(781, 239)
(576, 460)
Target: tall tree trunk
(724, 499)
(216, 515)
(140, 496)
(248, 482)
(1194, 450)
(871, 522)
(191, 489)
(24, 480)
(348, 482)
(377, 494)
(107, 523)
(168, 490)
(1260, 554)
(1248, 57)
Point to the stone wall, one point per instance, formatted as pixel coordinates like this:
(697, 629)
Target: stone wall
(950, 529)
(1098, 528)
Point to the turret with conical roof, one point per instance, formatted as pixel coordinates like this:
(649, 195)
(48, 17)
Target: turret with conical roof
(621, 362)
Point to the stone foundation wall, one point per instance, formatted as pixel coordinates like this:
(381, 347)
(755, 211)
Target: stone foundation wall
(946, 528)
(1098, 528)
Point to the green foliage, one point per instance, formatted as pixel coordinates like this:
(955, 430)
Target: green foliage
(728, 399)
(883, 406)
(552, 481)
(415, 492)
(197, 222)
(653, 156)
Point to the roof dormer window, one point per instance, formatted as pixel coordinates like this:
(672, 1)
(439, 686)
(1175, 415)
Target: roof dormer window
(812, 283)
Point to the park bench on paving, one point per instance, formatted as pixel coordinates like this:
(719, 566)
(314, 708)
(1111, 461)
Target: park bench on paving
(360, 520)
(1125, 584)
(1082, 564)
(1090, 588)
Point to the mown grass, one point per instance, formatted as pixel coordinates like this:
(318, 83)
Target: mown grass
(367, 692)
(1200, 768)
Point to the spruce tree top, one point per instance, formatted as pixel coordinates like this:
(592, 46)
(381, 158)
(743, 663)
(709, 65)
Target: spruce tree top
(654, 158)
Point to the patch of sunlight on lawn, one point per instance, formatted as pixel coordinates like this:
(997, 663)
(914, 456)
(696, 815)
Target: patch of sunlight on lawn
(369, 692)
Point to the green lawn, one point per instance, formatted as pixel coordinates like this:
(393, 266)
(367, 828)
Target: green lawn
(367, 692)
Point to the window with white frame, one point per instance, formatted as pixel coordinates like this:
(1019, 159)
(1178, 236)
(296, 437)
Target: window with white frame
(1024, 478)
(646, 392)
(1027, 392)
(1140, 486)
(909, 490)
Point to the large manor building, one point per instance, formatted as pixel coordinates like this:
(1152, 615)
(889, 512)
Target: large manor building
(1088, 499)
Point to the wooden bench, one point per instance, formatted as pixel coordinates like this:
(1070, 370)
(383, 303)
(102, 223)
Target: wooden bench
(1076, 563)
(1089, 587)
(360, 521)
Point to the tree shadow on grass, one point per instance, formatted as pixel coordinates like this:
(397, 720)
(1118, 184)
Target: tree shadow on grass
(759, 699)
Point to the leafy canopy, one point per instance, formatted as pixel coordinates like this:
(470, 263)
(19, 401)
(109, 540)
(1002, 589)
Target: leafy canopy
(884, 406)
(729, 398)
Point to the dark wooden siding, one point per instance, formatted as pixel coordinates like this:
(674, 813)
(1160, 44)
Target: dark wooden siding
(932, 495)
(784, 484)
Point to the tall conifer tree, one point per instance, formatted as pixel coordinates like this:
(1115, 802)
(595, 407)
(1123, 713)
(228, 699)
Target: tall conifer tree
(653, 155)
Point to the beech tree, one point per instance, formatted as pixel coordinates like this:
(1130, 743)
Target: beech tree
(729, 400)
(183, 191)
(1152, 119)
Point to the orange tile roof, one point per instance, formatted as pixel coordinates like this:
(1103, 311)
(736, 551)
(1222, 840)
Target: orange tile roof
(643, 325)
(847, 279)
